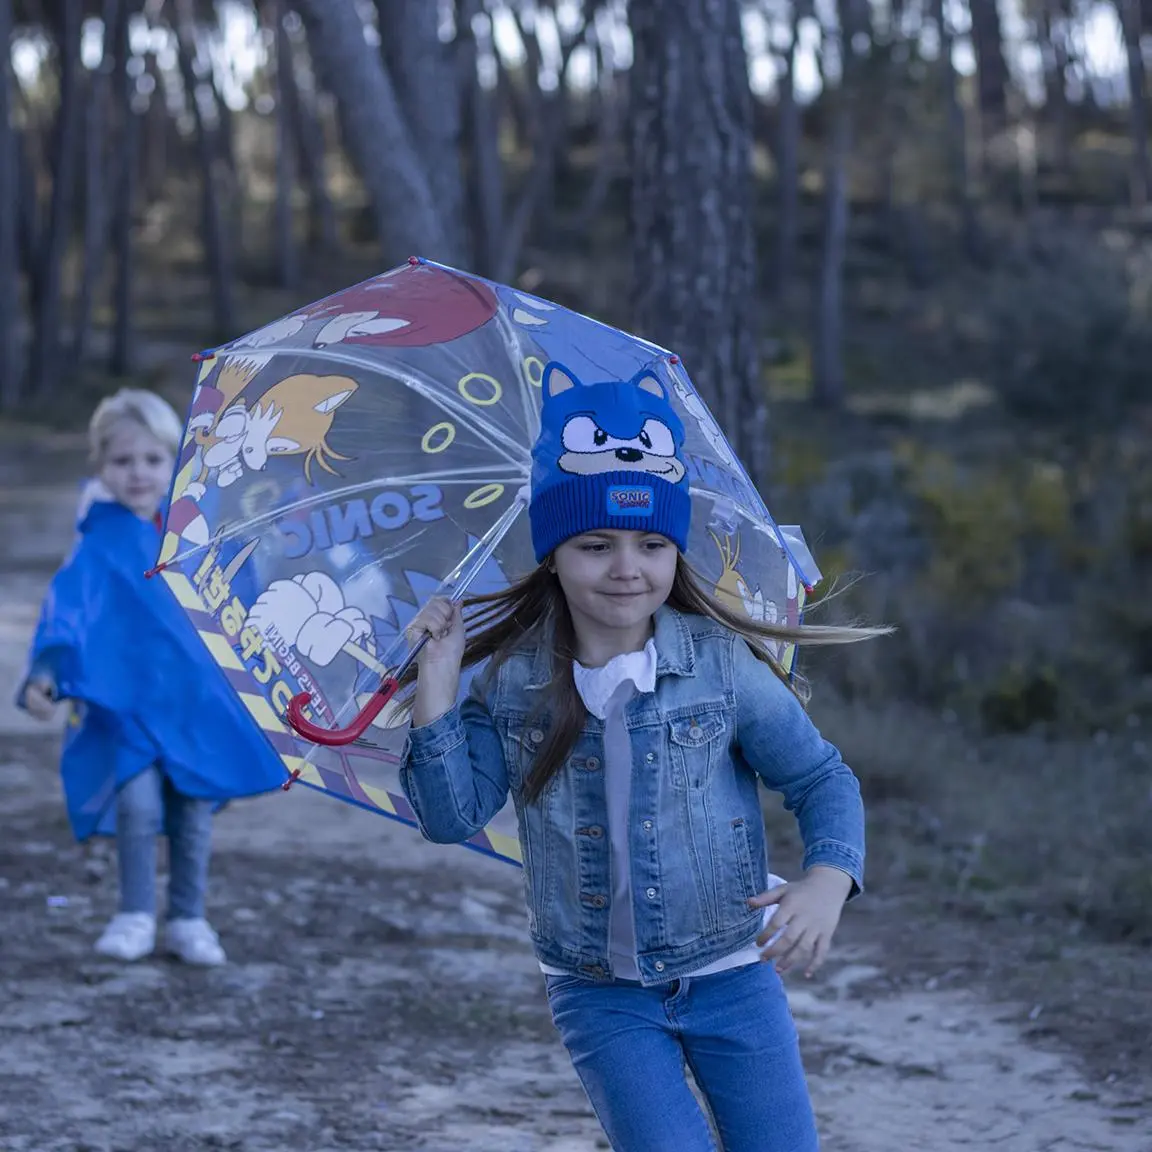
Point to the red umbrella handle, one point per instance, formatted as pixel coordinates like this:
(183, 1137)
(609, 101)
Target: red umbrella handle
(459, 581)
(334, 737)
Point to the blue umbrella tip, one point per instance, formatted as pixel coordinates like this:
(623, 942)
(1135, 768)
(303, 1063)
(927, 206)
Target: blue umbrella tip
(416, 260)
(207, 354)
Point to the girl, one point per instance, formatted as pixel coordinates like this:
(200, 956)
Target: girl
(155, 740)
(632, 715)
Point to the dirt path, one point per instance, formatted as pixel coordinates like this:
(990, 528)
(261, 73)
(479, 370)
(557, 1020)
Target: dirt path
(381, 993)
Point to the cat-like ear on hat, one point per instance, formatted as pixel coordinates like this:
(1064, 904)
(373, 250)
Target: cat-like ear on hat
(557, 379)
(650, 382)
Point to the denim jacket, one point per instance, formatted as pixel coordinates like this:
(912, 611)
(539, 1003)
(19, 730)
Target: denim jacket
(718, 721)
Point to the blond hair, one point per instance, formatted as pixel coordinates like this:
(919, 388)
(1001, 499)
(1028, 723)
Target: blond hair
(150, 411)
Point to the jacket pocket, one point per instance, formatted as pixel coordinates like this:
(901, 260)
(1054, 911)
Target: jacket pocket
(696, 741)
(743, 872)
(523, 739)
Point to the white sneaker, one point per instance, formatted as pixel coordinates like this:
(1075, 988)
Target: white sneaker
(194, 942)
(129, 936)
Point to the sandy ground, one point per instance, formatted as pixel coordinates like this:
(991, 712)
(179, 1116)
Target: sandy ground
(381, 993)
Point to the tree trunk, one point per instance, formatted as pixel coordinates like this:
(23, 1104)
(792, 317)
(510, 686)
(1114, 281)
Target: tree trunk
(225, 123)
(45, 358)
(518, 102)
(1054, 20)
(287, 257)
(611, 115)
(122, 354)
(548, 131)
(28, 213)
(957, 138)
(157, 128)
(308, 139)
(10, 359)
(1130, 23)
(485, 185)
(408, 219)
(828, 344)
(536, 190)
(991, 68)
(95, 183)
(217, 246)
(693, 244)
(828, 380)
(904, 217)
(95, 202)
(788, 167)
(426, 78)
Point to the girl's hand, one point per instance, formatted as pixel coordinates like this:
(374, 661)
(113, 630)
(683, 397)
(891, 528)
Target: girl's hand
(442, 621)
(806, 917)
(438, 680)
(40, 699)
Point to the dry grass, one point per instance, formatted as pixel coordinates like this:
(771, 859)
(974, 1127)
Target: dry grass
(1011, 827)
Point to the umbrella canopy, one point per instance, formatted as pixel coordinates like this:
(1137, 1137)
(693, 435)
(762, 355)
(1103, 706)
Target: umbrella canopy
(348, 461)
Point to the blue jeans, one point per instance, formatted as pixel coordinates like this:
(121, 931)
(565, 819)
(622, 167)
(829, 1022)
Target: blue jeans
(733, 1029)
(145, 807)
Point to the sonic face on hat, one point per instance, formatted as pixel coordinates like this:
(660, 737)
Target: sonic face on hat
(608, 456)
(610, 426)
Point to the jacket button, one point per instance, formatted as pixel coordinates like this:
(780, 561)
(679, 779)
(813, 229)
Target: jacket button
(650, 757)
(695, 732)
(536, 736)
(659, 965)
(592, 763)
(595, 831)
(650, 893)
(599, 901)
(647, 825)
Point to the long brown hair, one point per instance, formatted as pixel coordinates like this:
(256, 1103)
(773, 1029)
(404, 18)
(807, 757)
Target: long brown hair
(534, 610)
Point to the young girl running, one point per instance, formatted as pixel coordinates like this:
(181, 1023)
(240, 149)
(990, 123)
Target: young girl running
(632, 716)
(155, 739)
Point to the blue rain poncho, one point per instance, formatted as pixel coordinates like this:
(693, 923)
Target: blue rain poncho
(142, 687)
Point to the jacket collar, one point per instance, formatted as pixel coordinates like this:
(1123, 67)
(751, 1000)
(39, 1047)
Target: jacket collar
(675, 652)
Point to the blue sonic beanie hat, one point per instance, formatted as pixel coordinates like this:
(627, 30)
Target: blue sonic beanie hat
(608, 456)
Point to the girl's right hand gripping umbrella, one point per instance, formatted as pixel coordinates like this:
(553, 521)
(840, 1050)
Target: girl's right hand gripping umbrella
(348, 461)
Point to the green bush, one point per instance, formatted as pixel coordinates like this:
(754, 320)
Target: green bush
(1073, 335)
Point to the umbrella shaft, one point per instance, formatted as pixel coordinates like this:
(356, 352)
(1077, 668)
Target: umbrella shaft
(470, 567)
(410, 659)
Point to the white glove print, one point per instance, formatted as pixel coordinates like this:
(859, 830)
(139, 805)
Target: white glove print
(308, 612)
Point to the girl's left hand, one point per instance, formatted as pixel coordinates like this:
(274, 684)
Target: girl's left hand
(806, 917)
(40, 699)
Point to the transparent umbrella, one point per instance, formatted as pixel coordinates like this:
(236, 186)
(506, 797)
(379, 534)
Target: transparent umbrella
(348, 461)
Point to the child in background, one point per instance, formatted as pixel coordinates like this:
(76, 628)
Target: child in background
(155, 739)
